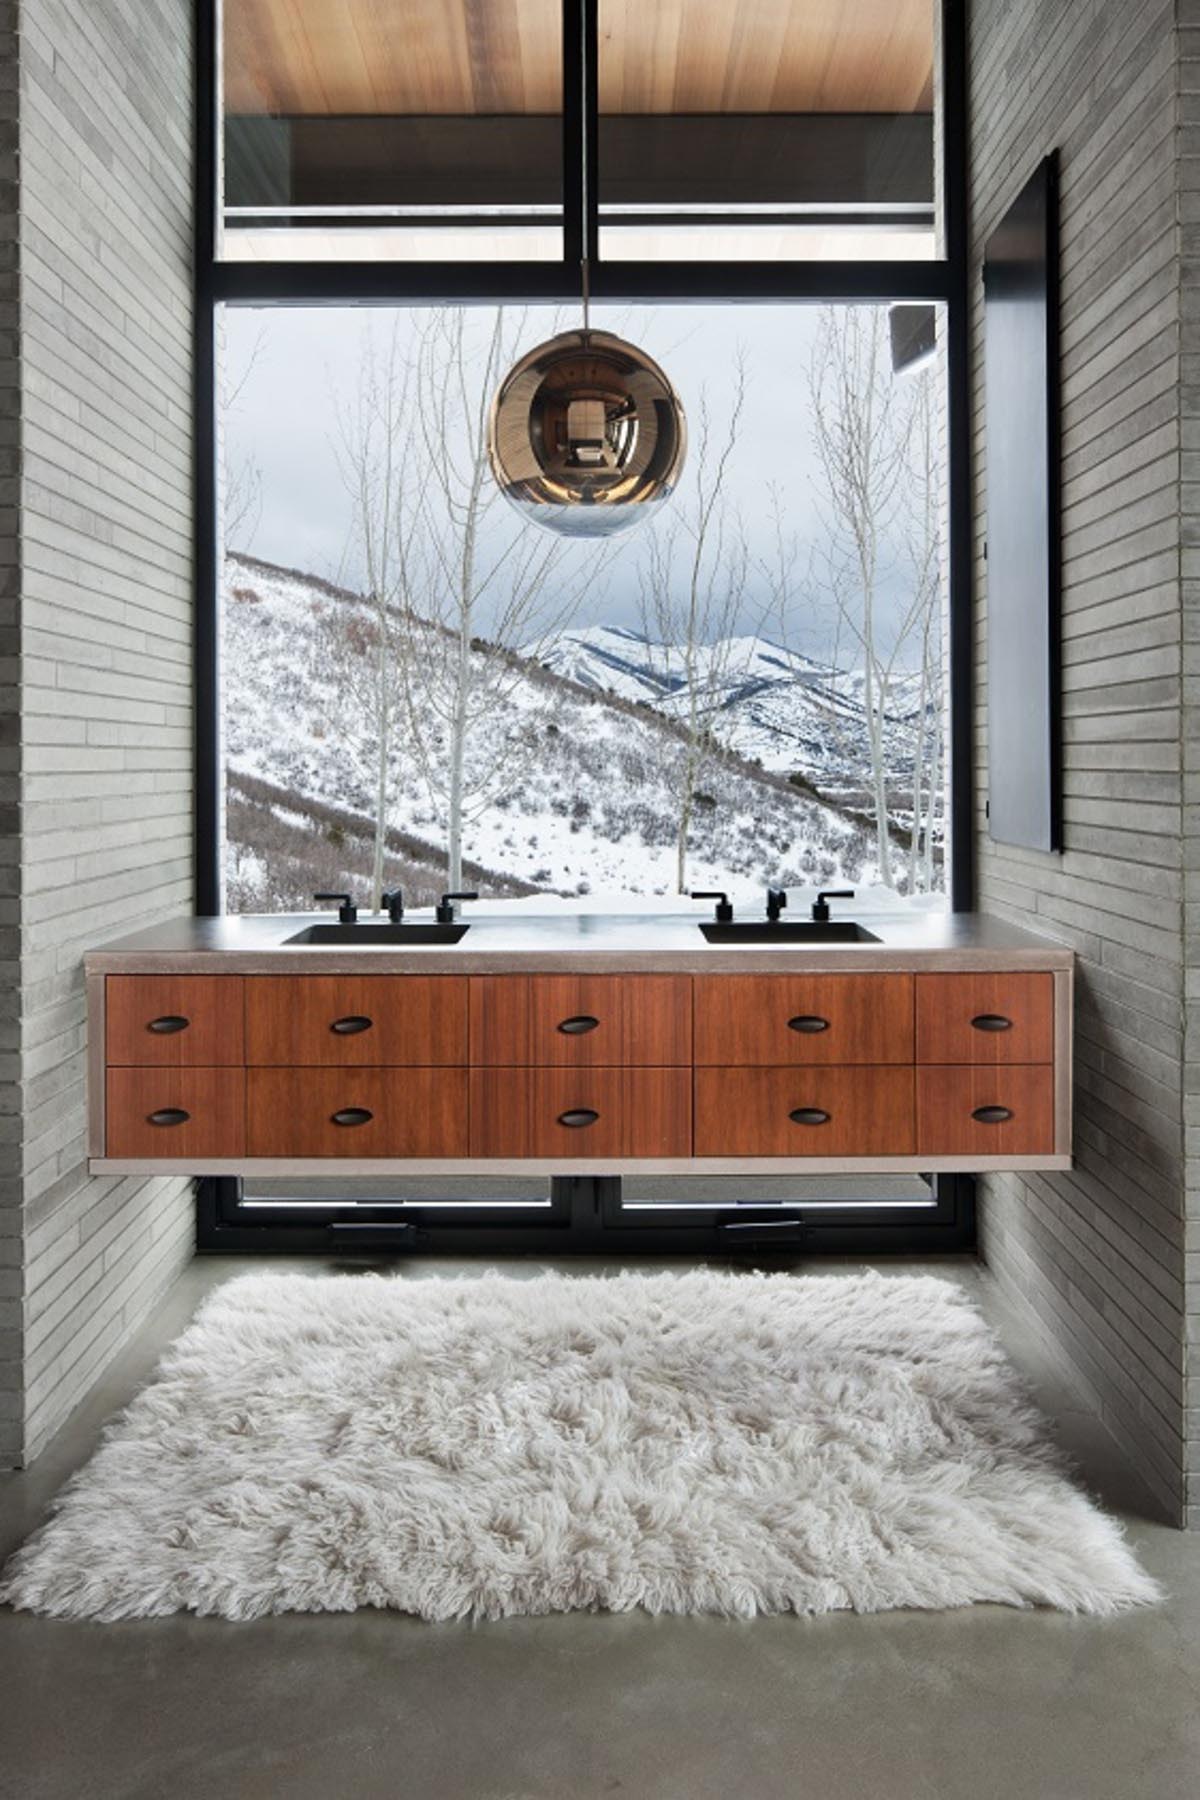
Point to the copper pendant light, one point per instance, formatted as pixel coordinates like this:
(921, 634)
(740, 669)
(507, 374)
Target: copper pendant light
(586, 435)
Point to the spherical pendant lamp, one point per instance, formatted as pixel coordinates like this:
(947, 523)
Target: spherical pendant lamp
(586, 435)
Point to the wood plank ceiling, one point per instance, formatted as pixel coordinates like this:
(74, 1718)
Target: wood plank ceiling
(421, 57)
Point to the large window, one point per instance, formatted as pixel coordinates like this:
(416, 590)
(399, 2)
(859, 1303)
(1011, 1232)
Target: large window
(400, 680)
(423, 689)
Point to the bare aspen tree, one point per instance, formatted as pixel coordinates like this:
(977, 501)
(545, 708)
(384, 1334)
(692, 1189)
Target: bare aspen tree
(794, 595)
(923, 558)
(862, 456)
(693, 580)
(490, 584)
(365, 646)
(241, 475)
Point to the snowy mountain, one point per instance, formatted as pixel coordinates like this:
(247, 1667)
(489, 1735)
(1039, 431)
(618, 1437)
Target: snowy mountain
(617, 659)
(572, 768)
(766, 702)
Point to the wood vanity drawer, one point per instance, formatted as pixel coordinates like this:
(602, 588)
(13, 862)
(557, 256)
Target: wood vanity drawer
(340, 1021)
(356, 1112)
(586, 1112)
(770, 1020)
(972, 1111)
(175, 1112)
(173, 1021)
(858, 1111)
(581, 1021)
(999, 1018)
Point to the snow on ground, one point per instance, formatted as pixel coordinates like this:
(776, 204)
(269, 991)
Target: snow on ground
(581, 777)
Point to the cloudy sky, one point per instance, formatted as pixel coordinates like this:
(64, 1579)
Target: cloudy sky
(291, 368)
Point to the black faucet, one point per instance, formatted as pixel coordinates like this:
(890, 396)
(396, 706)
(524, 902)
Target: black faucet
(724, 909)
(820, 911)
(395, 905)
(776, 902)
(444, 910)
(347, 911)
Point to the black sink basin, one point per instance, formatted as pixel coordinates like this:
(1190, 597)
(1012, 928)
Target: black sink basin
(351, 937)
(798, 931)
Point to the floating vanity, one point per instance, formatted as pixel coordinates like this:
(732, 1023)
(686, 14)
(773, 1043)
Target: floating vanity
(596, 1043)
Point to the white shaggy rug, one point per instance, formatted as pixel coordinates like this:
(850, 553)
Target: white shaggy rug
(704, 1442)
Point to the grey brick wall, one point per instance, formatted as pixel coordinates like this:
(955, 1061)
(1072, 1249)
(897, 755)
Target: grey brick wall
(105, 544)
(11, 1246)
(1189, 226)
(1094, 1260)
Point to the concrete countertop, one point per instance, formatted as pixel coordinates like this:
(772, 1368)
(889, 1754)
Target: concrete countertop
(507, 939)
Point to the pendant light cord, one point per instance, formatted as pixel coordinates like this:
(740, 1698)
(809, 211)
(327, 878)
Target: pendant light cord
(585, 273)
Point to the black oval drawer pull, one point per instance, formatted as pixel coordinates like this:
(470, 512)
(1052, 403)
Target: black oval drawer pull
(991, 1022)
(353, 1115)
(578, 1117)
(169, 1115)
(991, 1115)
(809, 1115)
(808, 1022)
(349, 1027)
(578, 1025)
(168, 1024)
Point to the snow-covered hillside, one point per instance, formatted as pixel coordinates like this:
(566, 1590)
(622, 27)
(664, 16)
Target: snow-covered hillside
(583, 778)
(767, 702)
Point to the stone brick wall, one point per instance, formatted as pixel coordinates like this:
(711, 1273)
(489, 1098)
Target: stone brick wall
(1189, 231)
(105, 537)
(1094, 1260)
(11, 1245)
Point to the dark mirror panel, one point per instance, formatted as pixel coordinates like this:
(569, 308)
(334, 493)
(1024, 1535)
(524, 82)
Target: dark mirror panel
(1022, 452)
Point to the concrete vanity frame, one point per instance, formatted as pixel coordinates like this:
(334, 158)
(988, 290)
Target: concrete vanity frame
(581, 944)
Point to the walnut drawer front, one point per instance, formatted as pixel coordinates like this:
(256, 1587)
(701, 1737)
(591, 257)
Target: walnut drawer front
(586, 1112)
(974, 1110)
(746, 1021)
(175, 1112)
(856, 1111)
(173, 1021)
(581, 1021)
(986, 1018)
(368, 1112)
(340, 1021)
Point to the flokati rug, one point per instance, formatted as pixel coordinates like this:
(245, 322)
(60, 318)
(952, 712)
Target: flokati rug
(491, 1446)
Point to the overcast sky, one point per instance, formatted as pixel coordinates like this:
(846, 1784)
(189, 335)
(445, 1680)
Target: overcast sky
(291, 365)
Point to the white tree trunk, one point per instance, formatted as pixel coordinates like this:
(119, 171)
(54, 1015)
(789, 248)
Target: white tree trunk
(873, 702)
(687, 804)
(382, 770)
(914, 842)
(460, 712)
(935, 781)
(456, 787)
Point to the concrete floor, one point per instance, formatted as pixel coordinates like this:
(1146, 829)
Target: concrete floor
(981, 1704)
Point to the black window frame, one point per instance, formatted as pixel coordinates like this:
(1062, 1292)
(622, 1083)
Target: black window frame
(942, 281)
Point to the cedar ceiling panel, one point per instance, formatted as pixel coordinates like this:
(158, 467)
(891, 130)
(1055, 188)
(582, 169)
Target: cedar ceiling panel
(504, 56)
(300, 57)
(755, 56)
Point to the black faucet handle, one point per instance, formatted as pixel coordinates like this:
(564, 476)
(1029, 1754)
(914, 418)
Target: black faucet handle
(347, 911)
(724, 909)
(394, 902)
(444, 911)
(776, 902)
(820, 910)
